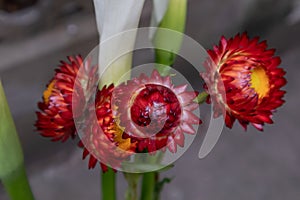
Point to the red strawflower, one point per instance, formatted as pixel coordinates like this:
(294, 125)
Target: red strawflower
(102, 138)
(154, 113)
(56, 116)
(251, 77)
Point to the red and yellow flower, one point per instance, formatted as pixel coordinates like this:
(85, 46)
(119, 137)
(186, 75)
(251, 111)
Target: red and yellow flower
(249, 83)
(144, 114)
(55, 118)
(102, 138)
(154, 112)
(64, 101)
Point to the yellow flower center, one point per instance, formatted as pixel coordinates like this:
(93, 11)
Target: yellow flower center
(124, 144)
(260, 81)
(47, 93)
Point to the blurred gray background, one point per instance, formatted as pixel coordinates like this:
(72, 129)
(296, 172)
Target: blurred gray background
(36, 34)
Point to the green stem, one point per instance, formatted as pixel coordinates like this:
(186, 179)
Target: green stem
(148, 185)
(17, 186)
(156, 192)
(109, 185)
(12, 170)
(132, 180)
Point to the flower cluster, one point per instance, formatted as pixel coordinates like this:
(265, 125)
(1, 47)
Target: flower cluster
(149, 113)
(146, 114)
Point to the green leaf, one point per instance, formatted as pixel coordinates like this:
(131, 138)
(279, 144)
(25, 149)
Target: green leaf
(166, 168)
(11, 155)
(12, 170)
(159, 187)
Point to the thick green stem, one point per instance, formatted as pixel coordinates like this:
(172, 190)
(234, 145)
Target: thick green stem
(109, 185)
(148, 186)
(132, 180)
(12, 171)
(17, 186)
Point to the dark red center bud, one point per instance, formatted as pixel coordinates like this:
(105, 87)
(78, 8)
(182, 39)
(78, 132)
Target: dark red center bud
(155, 109)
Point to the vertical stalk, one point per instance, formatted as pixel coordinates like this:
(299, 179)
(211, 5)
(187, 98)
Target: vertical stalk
(17, 186)
(108, 182)
(132, 180)
(110, 23)
(148, 186)
(156, 192)
(174, 19)
(12, 170)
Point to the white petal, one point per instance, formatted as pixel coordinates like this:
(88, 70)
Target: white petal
(114, 17)
(99, 11)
